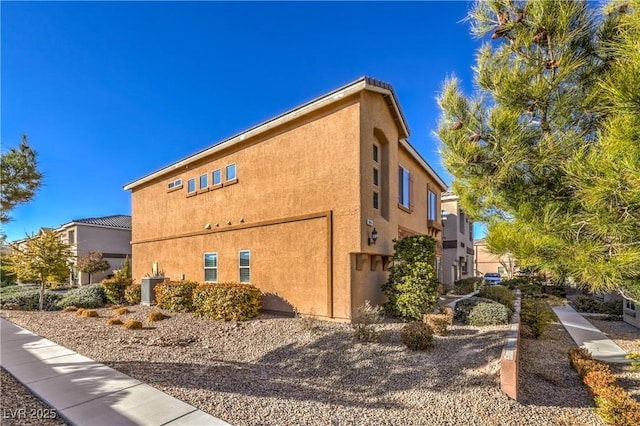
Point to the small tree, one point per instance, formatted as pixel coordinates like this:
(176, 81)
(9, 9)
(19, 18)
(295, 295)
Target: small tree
(19, 178)
(92, 263)
(412, 288)
(40, 258)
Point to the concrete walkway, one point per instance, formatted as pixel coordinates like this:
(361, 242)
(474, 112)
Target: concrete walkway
(86, 392)
(586, 335)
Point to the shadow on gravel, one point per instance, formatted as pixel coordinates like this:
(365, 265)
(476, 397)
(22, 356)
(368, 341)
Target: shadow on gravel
(336, 370)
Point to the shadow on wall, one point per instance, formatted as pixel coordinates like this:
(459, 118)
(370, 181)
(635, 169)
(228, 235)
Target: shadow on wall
(275, 303)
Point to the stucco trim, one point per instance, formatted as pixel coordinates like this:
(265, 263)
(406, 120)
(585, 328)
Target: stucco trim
(412, 151)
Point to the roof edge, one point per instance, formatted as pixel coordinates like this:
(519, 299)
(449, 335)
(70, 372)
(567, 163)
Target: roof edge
(363, 83)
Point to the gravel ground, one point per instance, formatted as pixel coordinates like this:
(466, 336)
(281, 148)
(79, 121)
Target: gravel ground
(291, 371)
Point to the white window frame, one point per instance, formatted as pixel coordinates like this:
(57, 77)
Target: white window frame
(235, 172)
(211, 268)
(174, 183)
(213, 177)
(241, 267)
(190, 182)
(206, 181)
(432, 205)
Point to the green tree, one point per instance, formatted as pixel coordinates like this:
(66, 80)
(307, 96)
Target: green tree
(412, 288)
(42, 257)
(92, 263)
(547, 90)
(19, 178)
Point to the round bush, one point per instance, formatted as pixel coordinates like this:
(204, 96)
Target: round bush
(479, 311)
(114, 289)
(489, 314)
(133, 294)
(417, 336)
(176, 296)
(88, 297)
(498, 293)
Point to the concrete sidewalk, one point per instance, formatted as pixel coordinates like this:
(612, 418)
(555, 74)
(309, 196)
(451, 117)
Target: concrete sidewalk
(86, 392)
(586, 335)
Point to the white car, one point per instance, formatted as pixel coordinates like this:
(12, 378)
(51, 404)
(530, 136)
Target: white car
(492, 278)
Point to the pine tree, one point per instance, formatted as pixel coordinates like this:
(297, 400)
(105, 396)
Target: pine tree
(525, 150)
(19, 178)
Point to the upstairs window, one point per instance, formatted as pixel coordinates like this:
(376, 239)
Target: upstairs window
(432, 206)
(203, 182)
(231, 172)
(72, 237)
(404, 187)
(216, 177)
(376, 153)
(174, 184)
(376, 177)
(191, 185)
(461, 222)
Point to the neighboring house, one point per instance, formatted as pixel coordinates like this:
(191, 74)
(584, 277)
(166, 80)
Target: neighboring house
(293, 205)
(489, 262)
(630, 312)
(109, 235)
(457, 244)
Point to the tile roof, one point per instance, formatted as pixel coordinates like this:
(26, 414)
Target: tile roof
(114, 221)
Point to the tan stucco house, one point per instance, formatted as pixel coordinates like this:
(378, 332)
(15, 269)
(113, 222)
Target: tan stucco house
(457, 241)
(293, 205)
(109, 235)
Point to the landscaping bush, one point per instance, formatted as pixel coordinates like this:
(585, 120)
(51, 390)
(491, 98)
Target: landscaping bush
(27, 299)
(438, 322)
(417, 336)
(555, 290)
(227, 301)
(498, 293)
(89, 313)
(613, 403)
(531, 289)
(412, 287)
(155, 316)
(467, 285)
(90, 296)
(114, 289)
(133, 294)
(176, 296)
(536, 315)
(365, 321)
(122, 311)
(132, 325)
(479, 311)
(114, 321)
(594, 305)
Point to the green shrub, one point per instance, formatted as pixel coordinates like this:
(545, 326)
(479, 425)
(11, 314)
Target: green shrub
(90, 296)
(467, 285)
(488, 311)
(617, 407)
(412, 287)
(176, 296)
(227, 301)
(536, 315)
(27, 299)
(498, 293)
(114, 289)
(594, 305)
(555, 290)
(133, 294)
(365, 321)
(417, 336)
(531, 289)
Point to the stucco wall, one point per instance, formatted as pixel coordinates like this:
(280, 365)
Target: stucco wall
(101, 240)
(308, 167)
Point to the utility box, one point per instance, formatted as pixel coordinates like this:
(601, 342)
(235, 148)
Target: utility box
(148, 296)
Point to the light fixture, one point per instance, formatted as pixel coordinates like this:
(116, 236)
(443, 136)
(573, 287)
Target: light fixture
(207, 226)
(373, 238)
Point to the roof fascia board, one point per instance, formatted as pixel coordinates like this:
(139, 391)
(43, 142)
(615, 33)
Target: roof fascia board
(405, 143)
(93, 225)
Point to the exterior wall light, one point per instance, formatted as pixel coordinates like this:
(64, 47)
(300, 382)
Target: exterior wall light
(373, 238)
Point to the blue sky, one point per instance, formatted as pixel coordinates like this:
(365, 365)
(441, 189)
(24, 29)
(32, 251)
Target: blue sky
(110, 91)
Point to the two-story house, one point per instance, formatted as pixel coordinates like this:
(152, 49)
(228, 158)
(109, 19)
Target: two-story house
(305, 206)
(109, 235)
(457, 244)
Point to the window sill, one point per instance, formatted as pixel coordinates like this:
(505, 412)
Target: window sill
(217, 186)
(191, 194)
(175, 188)
(629, 313)
(406, 209)
(202, 191)
(231, 182)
